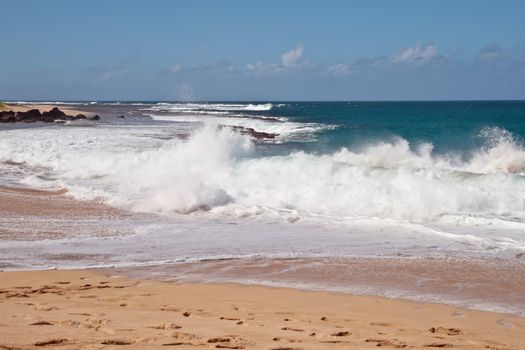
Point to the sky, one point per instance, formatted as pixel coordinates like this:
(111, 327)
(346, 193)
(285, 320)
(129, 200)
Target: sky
(262, 50)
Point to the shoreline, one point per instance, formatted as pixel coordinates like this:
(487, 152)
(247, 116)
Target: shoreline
(484, 284)
(74, 309)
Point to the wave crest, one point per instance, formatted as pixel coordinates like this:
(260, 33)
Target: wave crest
(218, 171)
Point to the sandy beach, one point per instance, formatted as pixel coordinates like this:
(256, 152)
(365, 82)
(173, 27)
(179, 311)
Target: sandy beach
(95, 310)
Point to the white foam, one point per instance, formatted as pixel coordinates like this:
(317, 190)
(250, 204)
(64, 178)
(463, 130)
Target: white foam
(286, 131)
(207, 107)
(216, 173)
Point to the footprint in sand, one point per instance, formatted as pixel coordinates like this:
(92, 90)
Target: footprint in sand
(496, 346)
(334, 341)
(116, 342)
(292, 329)
(41, 323)
(228, 342)
(44, 307)
(164, 326)
(228, 346)
(184, 336)
(341, 334)
(104, 330)
(219, 340)
(72, 323)
(438, 345)
(169, 308)
(91, 296)
(51, 342)
(288, 340)
(388, 342)
(445, 331)
(177, 343)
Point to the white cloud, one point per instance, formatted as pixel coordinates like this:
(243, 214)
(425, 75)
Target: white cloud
(494, 52)
(175, 69)
(339, 70)
(260, 68)
(109, 71)
(417, 53)
(293, 57)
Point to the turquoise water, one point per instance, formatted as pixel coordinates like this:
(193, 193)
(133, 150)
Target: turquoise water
(449, 126)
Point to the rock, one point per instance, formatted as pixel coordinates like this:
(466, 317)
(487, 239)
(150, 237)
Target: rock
(55, 112)
(33, 115)
(7, 117)
(48, 119)
(254, 133)
(52, 115)
(121, 116)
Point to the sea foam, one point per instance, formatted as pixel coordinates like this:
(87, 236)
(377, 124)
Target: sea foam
(217, 171)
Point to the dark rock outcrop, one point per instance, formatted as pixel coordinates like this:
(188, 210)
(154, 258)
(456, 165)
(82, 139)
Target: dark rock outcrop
(7, 117)
(30, 116)
(259, 135)
(54, 112)
(34, 115)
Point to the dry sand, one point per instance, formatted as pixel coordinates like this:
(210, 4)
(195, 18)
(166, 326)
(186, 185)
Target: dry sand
(82, 309)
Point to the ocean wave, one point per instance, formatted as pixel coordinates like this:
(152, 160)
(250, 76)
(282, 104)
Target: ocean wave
(218, 172)
(285, 130)
(207, 107)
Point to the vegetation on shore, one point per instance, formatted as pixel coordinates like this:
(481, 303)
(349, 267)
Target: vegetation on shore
(2, 106)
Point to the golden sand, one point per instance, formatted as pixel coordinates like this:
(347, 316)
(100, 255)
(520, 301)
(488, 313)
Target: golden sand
(81, 309)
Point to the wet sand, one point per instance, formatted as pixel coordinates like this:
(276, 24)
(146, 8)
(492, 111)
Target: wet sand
(30, 214)
(485, 284)
(94, 310)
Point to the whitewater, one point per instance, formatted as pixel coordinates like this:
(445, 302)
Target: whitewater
(189, 165)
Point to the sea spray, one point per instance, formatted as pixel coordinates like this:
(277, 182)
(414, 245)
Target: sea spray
(217, 172)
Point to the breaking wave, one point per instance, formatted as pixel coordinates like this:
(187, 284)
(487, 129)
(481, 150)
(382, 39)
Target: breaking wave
(218, 171)
(211, 107)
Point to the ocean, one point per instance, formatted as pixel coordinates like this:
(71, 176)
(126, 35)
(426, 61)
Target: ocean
(320, 180)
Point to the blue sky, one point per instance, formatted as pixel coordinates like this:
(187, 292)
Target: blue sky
(264, 50)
